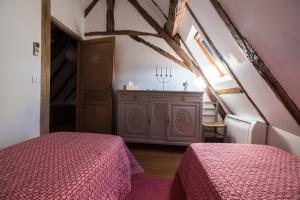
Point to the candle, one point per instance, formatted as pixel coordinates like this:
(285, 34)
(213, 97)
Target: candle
(166, 71)
(170, 71)
(156, 71)
(160, 71)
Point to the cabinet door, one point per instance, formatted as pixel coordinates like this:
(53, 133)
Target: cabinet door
(183, 123)
(159, 116)
(134, 120)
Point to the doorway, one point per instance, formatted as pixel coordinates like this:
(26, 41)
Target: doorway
(63, 80)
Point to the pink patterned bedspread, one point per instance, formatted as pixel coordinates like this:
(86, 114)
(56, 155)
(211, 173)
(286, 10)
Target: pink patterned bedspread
(67, 166)
(239, 171)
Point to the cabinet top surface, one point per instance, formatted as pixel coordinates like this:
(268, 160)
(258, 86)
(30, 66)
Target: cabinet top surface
(160, 91)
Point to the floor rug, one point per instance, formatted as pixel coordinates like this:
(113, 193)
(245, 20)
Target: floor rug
(155, 188)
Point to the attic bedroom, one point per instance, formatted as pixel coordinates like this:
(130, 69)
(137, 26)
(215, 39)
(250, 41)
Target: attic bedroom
(149, 99)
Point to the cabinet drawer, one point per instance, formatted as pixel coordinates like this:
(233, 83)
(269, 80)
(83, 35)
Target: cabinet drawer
(134, 97)
(182, 98)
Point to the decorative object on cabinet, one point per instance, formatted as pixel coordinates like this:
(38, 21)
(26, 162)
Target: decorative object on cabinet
(185, 86)
(163, 78)
(160, 117)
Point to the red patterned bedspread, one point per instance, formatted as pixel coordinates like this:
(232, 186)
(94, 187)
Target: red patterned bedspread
(239, 171)
(67, 166)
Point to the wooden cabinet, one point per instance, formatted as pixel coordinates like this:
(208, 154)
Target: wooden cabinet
(159, 117)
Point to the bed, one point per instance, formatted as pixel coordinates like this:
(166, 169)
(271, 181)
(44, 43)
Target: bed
(67, 166)
(239, 171)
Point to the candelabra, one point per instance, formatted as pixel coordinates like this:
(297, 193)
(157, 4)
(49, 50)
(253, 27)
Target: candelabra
(163, 78)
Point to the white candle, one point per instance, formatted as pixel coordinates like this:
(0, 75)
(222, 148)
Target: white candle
(156, 70)
(161, 71)
(166, 71)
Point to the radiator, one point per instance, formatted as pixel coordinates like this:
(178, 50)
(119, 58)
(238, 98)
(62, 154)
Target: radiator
(246, 132)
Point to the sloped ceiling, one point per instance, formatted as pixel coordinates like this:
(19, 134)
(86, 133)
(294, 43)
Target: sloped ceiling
(273, 29)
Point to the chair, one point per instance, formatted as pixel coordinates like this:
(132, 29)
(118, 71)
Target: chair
(210, 132)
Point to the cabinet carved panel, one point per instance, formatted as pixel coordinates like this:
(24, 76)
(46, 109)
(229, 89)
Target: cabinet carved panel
(183, 121)
(158, 120)
(135, 119)
(159, 113)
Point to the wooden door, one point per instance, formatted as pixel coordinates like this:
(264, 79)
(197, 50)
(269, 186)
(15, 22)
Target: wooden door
(134, 120)
(183, 123)
(96, 85)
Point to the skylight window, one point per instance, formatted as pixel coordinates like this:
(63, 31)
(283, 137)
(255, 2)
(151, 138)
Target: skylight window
(210, 56)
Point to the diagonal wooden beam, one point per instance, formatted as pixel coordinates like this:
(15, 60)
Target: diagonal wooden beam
(157, 6)
(224, 62)
(175, 16)
(212, 97)
(230, 91)
(121, 32)
(90, 7)
(258, 63)
(159, 50)
(110, 18)
(210, 93)
(190, 65)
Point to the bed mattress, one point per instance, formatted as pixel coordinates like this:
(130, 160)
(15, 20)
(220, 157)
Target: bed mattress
(239, 171)
(67, 166)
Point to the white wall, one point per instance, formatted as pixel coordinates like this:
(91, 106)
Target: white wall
(70, 13)
(20, 23)
(284, 140)
(134, 61)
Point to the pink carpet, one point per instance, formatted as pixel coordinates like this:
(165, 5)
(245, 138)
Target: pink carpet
(155, 188)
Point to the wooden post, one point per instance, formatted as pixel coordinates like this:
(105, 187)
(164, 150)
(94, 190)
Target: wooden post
(110, 18)
(176, 13)
(45, 67)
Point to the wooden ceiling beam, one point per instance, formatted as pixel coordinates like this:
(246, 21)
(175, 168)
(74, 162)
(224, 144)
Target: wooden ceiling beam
(175, 16)
(159, 50)
(110, 16)
(157, 6)
(236, 90)
(121, 32)
(90, 7)
(213, 98)
(258, 63)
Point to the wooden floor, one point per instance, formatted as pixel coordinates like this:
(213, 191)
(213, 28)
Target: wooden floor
(158, 160)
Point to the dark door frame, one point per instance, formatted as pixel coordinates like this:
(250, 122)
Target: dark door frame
(47, 19)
